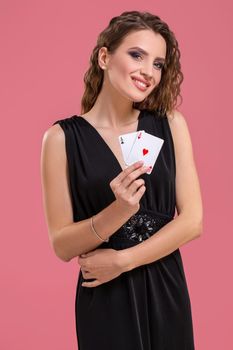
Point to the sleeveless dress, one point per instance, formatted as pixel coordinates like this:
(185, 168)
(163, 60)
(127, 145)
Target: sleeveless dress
(148, 307)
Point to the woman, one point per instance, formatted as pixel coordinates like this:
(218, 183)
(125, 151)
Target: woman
(116, 219)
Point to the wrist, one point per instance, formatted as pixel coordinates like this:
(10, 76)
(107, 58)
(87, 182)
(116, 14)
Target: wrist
(125, 260)
(123, 212)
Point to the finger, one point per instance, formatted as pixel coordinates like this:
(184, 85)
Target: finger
(87, 274)
(134, 175)
(139, 193)
(91, 284)
(86, 255)
(80, 260)
(127, 171)
(83, 266)
(135, 186)
(130, 179)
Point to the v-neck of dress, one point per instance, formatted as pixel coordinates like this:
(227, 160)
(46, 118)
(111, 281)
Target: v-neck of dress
(105, 143)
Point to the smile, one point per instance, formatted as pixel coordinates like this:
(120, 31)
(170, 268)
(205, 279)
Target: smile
(139, 84)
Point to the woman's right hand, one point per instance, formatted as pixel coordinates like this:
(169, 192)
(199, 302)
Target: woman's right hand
(127, 189)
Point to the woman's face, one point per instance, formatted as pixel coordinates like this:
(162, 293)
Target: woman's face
(129, 63)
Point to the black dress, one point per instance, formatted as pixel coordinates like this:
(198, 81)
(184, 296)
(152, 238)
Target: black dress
(147, 308)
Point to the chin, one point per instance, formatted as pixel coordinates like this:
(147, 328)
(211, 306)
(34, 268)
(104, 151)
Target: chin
(139, 99)
(134, 97)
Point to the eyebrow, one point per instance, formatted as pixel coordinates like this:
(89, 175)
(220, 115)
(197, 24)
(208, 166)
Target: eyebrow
(146, 53)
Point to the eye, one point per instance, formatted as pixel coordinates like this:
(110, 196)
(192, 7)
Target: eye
(136, 54)
(160, 65)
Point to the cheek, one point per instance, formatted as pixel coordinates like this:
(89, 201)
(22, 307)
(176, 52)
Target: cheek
(127, 68)
(157, 76)
(120, 69)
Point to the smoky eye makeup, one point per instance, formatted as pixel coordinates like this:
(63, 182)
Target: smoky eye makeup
(136, 55)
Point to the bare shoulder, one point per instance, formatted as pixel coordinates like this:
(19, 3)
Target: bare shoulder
(180, 131)
(188, 192)
(53, 146)
(177, 120)
(53, 134)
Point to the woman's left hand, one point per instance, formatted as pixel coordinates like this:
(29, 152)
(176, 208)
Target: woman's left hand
(102, 264)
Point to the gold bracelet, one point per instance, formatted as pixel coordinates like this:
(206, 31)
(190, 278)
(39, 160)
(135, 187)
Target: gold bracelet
(93, 229)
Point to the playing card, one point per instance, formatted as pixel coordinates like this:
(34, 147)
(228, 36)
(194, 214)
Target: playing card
(146, 148)
(127, 142)
(138, 138)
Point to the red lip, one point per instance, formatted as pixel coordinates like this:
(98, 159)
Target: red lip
(142, 80)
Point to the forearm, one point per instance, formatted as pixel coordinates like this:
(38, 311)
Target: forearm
(78, 237)
(169, 238)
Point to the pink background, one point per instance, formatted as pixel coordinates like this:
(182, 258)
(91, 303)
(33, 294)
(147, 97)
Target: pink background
(45, 51)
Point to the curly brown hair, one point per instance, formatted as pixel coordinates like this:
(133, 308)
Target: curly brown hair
(164, 97)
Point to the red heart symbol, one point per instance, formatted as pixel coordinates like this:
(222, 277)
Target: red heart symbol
(145, 151)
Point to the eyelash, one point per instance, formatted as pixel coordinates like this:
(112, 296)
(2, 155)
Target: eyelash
(133, 53)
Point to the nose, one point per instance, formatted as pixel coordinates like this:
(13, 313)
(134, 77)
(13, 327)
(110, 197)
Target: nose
(147, 73)
(147, 70)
